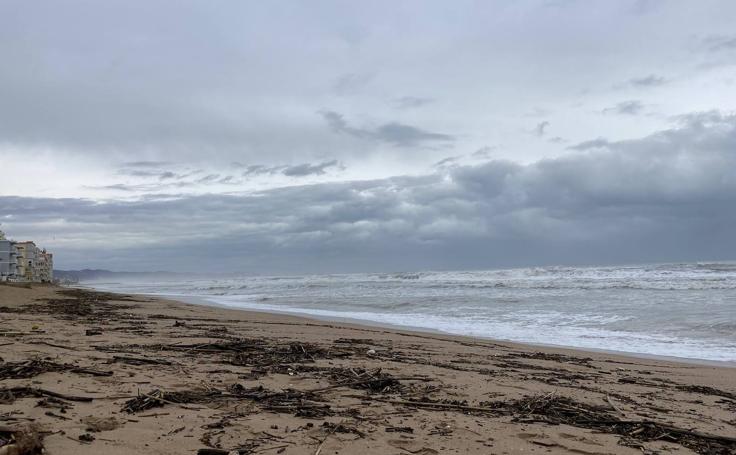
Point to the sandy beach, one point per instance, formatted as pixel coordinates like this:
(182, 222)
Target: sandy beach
(84, 372)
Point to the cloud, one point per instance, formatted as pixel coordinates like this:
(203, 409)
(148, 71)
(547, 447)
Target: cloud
(411, 102)
(665, 197)
(646, 6)
(483, 152)
(302, 170)
(146, 163)
(630, 107)
(393, 133)
(539, 130)
(157, 173)
(209, 178)
(718, 43)
(538, 112)
(449, 161)
(591, 144)
(651, 80)
(296, 170)
(351, 83)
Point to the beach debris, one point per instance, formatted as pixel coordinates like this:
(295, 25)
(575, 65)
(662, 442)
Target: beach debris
(266, 355)
(561, 358)
(302, 403)
(399, 430)
(376, 380)
(86, 437)
(342, 428)
(92, 332)
(83, 303)
(554, 409)
(442, 429)
(705, 390)
(20, 440)
(53, 403)
(98, 424)
(10, 394)
(29, 368)
(138, 360)
(241, 450)
(158, 398)
(56, 416)
(413, 447)
(261, 352)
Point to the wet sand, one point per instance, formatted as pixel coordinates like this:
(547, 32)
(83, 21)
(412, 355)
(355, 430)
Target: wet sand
(102, 373)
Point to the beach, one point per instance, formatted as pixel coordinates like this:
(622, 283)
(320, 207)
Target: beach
(86, 372)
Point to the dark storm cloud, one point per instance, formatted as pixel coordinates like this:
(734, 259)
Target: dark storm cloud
(668, 196)
(630, 107)
(394, 133)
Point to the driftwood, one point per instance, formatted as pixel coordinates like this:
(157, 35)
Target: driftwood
(433, 405)
(370, 381)
(38, 392)
(30, 368)
(60, 346)
(139, 360)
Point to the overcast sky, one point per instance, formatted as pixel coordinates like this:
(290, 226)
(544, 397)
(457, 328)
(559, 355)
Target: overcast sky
(290, 137)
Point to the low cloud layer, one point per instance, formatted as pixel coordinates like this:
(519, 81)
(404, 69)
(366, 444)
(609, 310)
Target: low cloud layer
(665, 197)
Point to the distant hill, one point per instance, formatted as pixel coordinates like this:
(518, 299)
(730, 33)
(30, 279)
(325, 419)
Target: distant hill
(75, 276)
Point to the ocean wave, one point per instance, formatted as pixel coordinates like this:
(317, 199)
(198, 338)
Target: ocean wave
(685, 310)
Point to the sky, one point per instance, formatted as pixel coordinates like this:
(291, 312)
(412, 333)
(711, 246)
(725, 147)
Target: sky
(333, 136)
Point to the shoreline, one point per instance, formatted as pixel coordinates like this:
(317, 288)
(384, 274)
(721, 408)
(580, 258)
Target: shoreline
(92, 372)
(204, 300)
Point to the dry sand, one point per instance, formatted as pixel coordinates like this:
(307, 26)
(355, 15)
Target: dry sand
(164, 377)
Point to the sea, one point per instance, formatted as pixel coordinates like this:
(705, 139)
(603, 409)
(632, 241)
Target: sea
(685, 310)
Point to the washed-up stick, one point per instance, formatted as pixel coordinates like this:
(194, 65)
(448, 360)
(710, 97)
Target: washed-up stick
(155, 414)
(321, 444)
(369, 381)
(164, 400)
(271, 448)
(90, 372)
(429, 404)
(616, 408)
(139, 360)
(34, 391)
(52, 345)
(670, 428)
